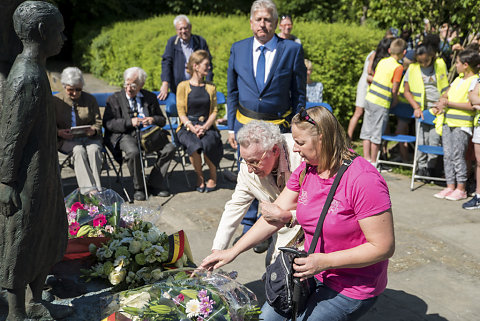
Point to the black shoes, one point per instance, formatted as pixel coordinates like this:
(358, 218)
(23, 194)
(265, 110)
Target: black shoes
(158, 192)
(139, 195)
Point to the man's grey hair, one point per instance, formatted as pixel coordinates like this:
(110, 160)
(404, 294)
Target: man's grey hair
(72, 76)
(180, 18)
(267, 135)
(264, 4)
(137, 72)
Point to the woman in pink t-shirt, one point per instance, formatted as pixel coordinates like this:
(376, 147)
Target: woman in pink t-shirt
(351, 258)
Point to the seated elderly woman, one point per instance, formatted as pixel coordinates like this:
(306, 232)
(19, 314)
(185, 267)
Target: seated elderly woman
(76, 108)
(197, 110)
(349, 263)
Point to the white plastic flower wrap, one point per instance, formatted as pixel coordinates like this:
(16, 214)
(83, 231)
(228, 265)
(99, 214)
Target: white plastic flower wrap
(188, 295)
(137, 254)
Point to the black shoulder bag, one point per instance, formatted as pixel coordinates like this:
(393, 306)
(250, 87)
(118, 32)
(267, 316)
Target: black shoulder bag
(284, 292)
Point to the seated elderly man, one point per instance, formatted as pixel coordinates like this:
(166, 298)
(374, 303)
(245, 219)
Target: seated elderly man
(76, 108)
(267, 162)
(134, 107)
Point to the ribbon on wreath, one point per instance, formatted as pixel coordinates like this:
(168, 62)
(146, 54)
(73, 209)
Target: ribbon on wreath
(177, 246)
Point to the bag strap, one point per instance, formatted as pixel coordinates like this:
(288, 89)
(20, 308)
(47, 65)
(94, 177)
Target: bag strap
(326, 206)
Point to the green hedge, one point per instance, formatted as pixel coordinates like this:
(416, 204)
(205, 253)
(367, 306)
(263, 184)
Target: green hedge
(337, 51)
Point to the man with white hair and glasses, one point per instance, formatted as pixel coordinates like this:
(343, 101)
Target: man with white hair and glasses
(267, 160)
(131, 108)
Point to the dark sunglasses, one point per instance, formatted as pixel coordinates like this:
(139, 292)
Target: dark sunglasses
(303, 115)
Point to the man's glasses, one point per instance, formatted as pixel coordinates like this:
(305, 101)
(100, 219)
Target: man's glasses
(71, 89)
(255, 165)
(133, 86)
(303, 115)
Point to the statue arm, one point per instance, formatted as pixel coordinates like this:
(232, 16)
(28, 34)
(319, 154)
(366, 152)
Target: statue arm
(21, 108)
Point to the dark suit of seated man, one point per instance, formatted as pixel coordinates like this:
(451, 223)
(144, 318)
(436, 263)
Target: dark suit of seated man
(130, 108)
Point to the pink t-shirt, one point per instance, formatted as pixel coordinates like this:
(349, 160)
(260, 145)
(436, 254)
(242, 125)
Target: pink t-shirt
(362, 192)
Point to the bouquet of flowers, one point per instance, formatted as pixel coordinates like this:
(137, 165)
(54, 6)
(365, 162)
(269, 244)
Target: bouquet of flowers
(92, 215)
(137, 255)
(189, 295)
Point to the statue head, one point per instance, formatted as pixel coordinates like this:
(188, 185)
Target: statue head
(40, 22)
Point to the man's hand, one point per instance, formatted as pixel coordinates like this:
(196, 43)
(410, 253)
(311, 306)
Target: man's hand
(163, 91)
(147, 121)
(274, 214)
(136, 121)
(232, 141)
(65, 134)
(9, 200)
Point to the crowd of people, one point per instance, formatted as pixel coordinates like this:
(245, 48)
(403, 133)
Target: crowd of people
(288, 156)
(401, 75)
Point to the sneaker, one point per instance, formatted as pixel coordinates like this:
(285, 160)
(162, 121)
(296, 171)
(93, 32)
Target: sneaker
(444, 193)
(472, 204)
(456, 195)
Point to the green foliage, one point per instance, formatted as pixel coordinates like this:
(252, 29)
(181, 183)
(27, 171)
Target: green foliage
(337, 51)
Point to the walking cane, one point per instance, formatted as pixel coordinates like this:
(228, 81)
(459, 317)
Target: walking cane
(134, 113)
(139, 143)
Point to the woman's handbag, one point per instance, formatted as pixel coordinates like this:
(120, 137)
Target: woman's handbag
(284, 292)
(153, 138)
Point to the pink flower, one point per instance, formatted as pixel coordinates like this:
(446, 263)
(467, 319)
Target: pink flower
(179, 298)
(73, 228)
(76, 206)
(109, 229)
(202, 294)
(99, 220)
(92, 210)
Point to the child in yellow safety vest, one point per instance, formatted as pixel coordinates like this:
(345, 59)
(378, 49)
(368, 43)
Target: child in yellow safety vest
(423, 84)
(381, 95)
(458, 115)
(474, 97)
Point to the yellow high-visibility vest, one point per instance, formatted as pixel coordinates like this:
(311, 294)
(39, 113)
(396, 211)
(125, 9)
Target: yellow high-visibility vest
(380, 90)
(459, 94)
(415, 81)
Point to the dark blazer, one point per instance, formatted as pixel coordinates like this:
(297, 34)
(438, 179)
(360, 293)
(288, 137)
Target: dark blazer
(117, 116)
(285, 88)
(173, 61)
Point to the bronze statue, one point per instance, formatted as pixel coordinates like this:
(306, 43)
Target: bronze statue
(33, 224)
(10, 45)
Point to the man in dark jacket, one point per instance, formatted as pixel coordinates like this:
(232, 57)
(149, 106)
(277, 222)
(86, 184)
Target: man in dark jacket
(126, 110)
(176, 55)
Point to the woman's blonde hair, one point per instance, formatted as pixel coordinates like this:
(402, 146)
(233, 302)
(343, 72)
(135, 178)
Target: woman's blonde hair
(334, 147)
(196, 58)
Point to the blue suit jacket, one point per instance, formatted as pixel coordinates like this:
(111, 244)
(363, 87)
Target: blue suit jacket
(173, 61)
(285, 86)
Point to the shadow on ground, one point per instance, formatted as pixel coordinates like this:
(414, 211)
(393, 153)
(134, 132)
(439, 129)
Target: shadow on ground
(392, 305)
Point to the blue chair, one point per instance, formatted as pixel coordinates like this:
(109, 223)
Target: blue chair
(311, 104)
(101, 98)
(402, 111)
(428, 119)
(221, 100)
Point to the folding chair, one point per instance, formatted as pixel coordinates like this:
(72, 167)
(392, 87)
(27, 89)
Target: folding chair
(403, 111)
(428, 119)
(311, 104)
(171, 113)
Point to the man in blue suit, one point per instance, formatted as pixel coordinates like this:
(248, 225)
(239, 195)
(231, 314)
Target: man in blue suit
(266, 80)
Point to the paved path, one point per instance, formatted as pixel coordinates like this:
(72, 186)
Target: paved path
(434, 274)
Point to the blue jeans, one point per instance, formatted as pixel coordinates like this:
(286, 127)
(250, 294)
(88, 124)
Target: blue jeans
(325, 305)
